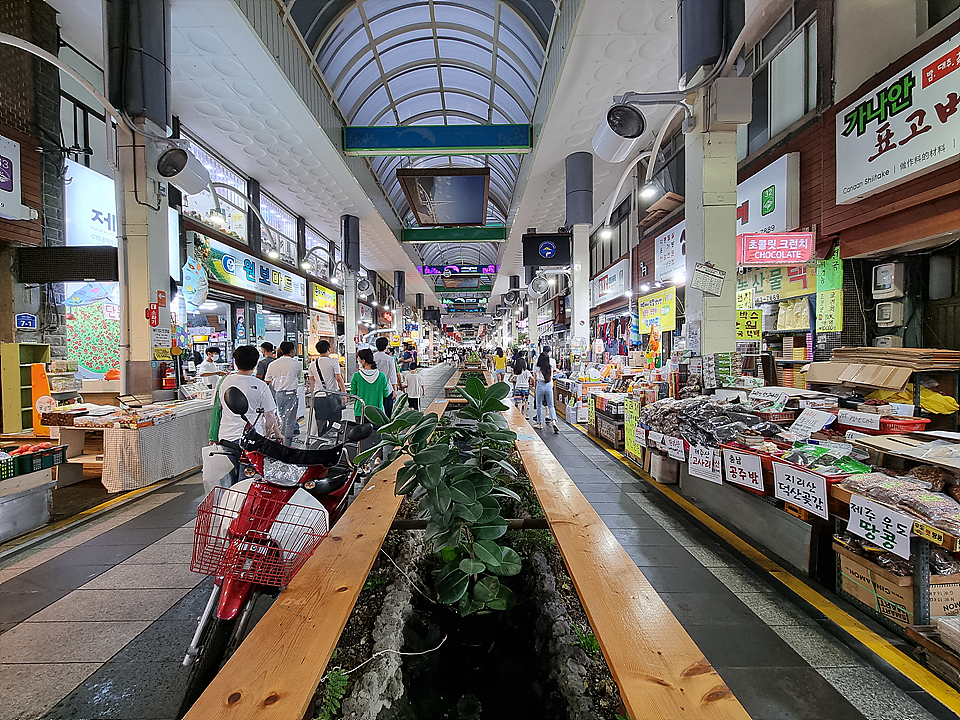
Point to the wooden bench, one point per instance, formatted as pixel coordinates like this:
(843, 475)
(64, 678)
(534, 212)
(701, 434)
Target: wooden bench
(276, 670)
(450, 389)
(659, 669)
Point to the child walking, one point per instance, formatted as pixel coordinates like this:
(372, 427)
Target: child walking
(414, 385)
(521, 389)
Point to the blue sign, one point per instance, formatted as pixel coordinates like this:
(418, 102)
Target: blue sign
(548, 249)
(26, 321)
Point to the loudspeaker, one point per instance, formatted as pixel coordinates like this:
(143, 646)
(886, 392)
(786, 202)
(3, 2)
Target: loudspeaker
(419, 301)
(350, 241)
(400, 285)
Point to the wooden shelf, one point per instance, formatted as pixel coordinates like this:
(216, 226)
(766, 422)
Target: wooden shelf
(785, 361)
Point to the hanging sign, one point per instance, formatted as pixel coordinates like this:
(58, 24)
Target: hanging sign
(708, 279)
(742, 469)
(195, 283)
(610, 284)
(763, 249)
(694, 339)
(152, 314)
(748, 324)
(90, 206)
(880, 525)
(365, 314)
(745, 299)
(323, 298)
(769, 200)
(830, 272)
(705, 463)
(658, 310)
(801, 488)
(233, 267)
(671, 249)
(10, 195)
(830, 311)
(901, 129)
(778, 283)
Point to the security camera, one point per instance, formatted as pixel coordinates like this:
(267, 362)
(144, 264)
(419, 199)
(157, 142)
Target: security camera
(538, 287)
(625, 119)
(364, 286)
(179, 166)
(511, 298)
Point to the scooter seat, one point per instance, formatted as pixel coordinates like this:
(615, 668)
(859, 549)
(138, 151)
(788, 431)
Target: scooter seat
(335, 479)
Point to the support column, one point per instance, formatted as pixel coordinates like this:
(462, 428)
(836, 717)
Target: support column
(533, 330)
(711, 230)
(350, 251)
(144, 264)
(579, 177)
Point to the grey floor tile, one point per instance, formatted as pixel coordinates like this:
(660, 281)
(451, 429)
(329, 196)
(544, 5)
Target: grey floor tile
(757, 647)
(818, 647)
(29, 690)
(712, 558)
(672, 555)
(874, 695)
(719, 608)
(624, 521)
(787, 694)
(161, 641)
(644, 537)
(130, 576)
(89, 605)
(624, 506)
(67, 642)
(168, 553)
(681, 579)
(739, 580)
(774, 609)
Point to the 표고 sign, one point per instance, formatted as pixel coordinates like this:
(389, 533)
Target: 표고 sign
(880, 525)
(801, 488)
(763, 249)
(743, 469)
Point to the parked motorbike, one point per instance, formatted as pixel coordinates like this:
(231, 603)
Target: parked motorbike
(254, 535)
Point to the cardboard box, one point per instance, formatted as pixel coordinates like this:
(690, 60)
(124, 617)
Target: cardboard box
(891, 595)
(664, 469)
(878, 376)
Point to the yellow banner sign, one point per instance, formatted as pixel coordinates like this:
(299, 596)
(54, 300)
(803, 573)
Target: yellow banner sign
(658, 309)
(778, 283)
(745, 299)
(748, 324)
(830, 311)
(323, 298)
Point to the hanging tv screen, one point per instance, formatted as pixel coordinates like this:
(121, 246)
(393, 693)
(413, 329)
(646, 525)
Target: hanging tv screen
(446, 196)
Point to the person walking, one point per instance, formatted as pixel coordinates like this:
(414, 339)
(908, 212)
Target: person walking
(499, 365)
(414, 384)
(269, 355)
(521, 388)
(546, 366)
(283, 376)
(325, 378)
(369, 383)
(388, 366)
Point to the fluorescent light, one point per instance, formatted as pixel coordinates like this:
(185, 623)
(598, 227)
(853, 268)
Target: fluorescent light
(679, 278)
(649, 190)
(272, 253)
(644, 288)
(306, 264)
(606, 233)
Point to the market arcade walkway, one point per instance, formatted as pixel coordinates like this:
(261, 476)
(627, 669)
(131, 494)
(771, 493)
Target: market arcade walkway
(94, 622)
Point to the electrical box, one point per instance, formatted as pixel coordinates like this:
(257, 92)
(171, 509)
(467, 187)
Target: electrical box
(888, 341)
(889, 314)
(888, 281)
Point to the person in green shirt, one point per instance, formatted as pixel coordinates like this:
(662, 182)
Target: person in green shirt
(368, 383)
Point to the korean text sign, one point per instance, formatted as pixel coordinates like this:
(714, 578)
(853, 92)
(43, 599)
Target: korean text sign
(763, 249)
(748, 324)
(880, 525)
(232, 267)
(904, 128)
(742, 469)
(801, 488)
(658, 309)
(323, 298)
(778, 283)
(705, 463)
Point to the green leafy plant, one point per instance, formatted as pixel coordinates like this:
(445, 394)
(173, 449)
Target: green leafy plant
(375, 580)
(457, 475)
(333, 694)
(587, 641)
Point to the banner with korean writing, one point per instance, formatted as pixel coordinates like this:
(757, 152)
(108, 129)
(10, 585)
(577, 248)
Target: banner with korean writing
(748, 324)
(658, 309)
(323, 298)
(902, 129)
(830, 272)
(763, 249)
(232, 267)
(830, 311)
(778, 283)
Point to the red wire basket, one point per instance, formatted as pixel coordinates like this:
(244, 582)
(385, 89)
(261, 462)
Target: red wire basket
(279, 538)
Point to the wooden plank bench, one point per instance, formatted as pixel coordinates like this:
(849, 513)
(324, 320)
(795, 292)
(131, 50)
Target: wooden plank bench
(659, 669)
(275, 671)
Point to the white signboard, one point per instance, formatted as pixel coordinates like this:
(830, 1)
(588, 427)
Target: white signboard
(769, 200)
(90, 204)
(801, 488)
(675, 447)
(671, 248)
(810, 421)
(772, 398)
(705, 463)
(871, 421)
(904, 128)
(365, 314)
(880, 525)
(655, 437)
(641, 435)
(228, 265)
(742, 469)
(611, 283)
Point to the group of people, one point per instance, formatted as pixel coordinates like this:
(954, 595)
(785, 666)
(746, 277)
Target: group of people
(534, 378)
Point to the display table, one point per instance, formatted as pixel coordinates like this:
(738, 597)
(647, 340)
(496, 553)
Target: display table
(136, 457)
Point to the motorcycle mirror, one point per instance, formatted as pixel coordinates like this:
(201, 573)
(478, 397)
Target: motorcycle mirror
(360, 432)
(236, 401)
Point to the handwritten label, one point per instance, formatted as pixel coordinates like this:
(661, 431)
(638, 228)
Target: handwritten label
(705, 462)
(819, 403)
(655, 437)
(742, 469)
(880, 525)
(675, 447)
(810, 421)
(641, 436)
(902, 409)
(800, 487)
(853, 418)
(770, 399)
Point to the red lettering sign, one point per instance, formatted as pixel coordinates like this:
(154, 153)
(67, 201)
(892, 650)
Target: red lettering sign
(764, 249)
(940, 67)
(153, 314)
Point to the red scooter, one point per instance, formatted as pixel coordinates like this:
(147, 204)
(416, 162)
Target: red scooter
(254, 536)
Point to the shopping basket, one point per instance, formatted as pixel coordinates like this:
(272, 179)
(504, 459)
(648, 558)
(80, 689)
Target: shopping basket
(286, 535)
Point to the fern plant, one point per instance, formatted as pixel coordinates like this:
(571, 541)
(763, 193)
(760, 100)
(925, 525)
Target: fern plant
(333, 694)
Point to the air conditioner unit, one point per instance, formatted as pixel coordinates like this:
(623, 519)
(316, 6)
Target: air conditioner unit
(889, 314)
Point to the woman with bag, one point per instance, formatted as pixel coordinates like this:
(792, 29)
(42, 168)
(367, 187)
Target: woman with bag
(325, 378)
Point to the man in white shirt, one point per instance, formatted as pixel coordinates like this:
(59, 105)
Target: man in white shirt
(283, 375)
(208, 370)
(325, 377)
(258, 396)
(388, 366)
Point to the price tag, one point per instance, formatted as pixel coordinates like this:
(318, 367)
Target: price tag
(871, 421)
(742, 469)
(819, 403)
(810, 421)
(641, 436)
(880, 525)
(655, 437)
(934, 535)
(705, 463)
(800, 487)
(675, 447)
(774, 400)
(902, 409)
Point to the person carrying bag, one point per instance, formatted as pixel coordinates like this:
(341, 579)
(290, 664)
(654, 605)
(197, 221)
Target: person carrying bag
(325, 376)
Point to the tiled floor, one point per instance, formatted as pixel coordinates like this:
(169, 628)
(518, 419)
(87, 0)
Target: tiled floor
(94, 623)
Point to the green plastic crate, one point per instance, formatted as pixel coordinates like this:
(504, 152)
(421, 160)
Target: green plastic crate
(30, 462)
(8, 468)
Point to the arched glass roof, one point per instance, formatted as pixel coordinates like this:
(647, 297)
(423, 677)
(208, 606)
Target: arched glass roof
(433, 62)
